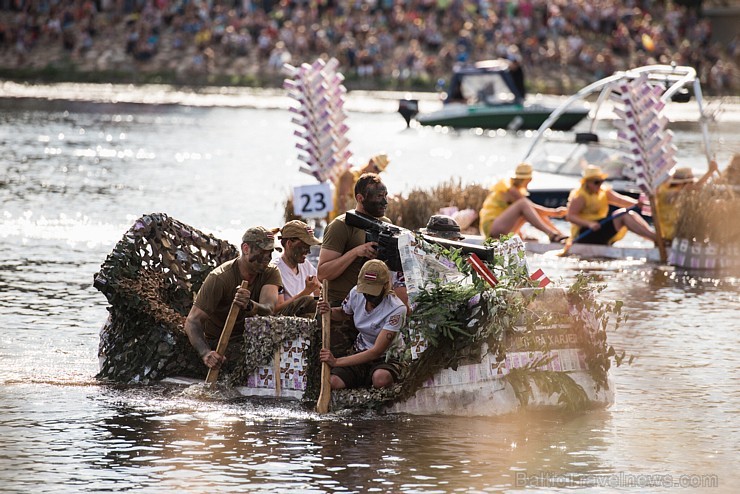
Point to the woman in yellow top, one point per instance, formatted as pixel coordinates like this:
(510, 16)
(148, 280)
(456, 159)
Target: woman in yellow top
(589, 204)
(669, 193)
(344, 186)
(507, 208)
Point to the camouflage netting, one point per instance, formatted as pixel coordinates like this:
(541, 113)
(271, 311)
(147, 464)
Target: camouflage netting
(149, 280)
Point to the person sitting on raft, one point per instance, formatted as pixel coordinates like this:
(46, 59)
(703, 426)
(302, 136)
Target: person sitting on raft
(669, 195)
(378, 315)
(506, 208)
(589, 204)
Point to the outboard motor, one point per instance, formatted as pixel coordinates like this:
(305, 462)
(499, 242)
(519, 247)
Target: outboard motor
(408, 108)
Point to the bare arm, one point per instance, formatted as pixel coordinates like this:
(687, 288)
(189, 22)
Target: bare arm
(268, 300)
(705, 178)
(382, 343)
(194, 327)
(551, 212)
(619, 200)
(332, 264)
(336, 314)
(312, 285)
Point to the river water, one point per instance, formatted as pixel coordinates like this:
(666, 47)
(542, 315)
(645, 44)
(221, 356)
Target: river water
(75, 175)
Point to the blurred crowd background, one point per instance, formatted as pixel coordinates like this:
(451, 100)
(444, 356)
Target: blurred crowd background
(381, 44)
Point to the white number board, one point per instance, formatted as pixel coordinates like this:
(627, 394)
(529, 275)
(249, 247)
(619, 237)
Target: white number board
(313, 201)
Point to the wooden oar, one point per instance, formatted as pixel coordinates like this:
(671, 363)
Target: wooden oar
(658, 229)
(322, 405)
(223, 340)
(585, 232)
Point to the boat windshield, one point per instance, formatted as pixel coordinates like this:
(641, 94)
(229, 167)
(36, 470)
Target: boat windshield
(566, 158)
(486, 88)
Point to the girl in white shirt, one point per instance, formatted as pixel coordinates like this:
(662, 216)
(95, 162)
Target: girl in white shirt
(378, 314)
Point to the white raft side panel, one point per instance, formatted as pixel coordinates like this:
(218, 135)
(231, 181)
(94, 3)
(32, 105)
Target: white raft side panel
(475, 389)
(489, 399)
(695, 255)
(480, 390)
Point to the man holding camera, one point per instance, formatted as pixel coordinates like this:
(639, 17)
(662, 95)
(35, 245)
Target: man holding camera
(344, 251)
(221, 287)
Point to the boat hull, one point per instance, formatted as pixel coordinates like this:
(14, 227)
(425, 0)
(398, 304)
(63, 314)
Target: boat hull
(474, 388)
(512, 117)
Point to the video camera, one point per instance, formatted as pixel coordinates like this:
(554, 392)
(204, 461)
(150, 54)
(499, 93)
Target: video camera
(484, 253)
(384, 234)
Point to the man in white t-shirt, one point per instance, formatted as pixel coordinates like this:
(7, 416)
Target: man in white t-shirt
(300, 287)
(378, 314)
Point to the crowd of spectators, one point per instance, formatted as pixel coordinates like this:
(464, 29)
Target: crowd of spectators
(384, 42)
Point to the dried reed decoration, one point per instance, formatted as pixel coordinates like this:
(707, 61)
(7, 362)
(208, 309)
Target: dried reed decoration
(710, 214)
(413, 210)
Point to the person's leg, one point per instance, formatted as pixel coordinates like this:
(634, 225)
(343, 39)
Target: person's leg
(546, 219)
(382, 378)
(506, 222)
(634, 223)
(336, 382)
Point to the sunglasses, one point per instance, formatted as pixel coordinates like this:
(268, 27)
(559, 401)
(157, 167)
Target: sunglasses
(597, 182)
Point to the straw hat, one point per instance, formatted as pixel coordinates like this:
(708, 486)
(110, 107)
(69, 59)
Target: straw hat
(682, 176)
(593, 172)
(523, 171)
(380, 161)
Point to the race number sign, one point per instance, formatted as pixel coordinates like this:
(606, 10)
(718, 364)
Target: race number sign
(312, 201)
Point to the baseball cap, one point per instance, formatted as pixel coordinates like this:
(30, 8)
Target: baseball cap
(261, 236)
(300, 230)
(374, 278)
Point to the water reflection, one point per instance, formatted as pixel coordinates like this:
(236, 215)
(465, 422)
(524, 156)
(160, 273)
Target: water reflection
(678, 404)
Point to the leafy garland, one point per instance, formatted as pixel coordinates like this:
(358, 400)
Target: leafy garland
(456, 319)
(592, 318)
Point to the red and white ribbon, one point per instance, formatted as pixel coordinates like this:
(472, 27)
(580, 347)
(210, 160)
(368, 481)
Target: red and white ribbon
(482, 270)
(539, 276)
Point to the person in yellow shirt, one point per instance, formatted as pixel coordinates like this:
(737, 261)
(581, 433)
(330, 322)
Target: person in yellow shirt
(344, 185)
(506, 208)
(589, 204)
(669, 194)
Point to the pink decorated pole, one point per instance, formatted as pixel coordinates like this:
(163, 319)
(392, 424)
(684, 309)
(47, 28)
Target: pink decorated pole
(319, 113)
(645, 138)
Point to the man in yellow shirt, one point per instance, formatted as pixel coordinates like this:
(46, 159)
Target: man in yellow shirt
(589, 204)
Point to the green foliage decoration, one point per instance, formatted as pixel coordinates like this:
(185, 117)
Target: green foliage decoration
(592, 317)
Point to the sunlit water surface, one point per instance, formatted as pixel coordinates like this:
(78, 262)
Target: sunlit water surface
(73, 177)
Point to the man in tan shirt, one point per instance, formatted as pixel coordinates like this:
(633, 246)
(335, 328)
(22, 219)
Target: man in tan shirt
(222, 287)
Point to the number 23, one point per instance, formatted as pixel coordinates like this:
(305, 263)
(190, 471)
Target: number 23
(318, 200)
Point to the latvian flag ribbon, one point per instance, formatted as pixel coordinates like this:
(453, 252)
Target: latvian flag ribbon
(482, 269)
(539, 275)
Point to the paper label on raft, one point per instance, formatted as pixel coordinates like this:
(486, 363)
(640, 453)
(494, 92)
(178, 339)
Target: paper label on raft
(421, 267)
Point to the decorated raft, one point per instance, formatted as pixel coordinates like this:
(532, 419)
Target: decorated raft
(471, 348)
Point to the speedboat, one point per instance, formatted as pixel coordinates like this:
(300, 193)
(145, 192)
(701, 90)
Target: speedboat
(487, 95)
(560, 157)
